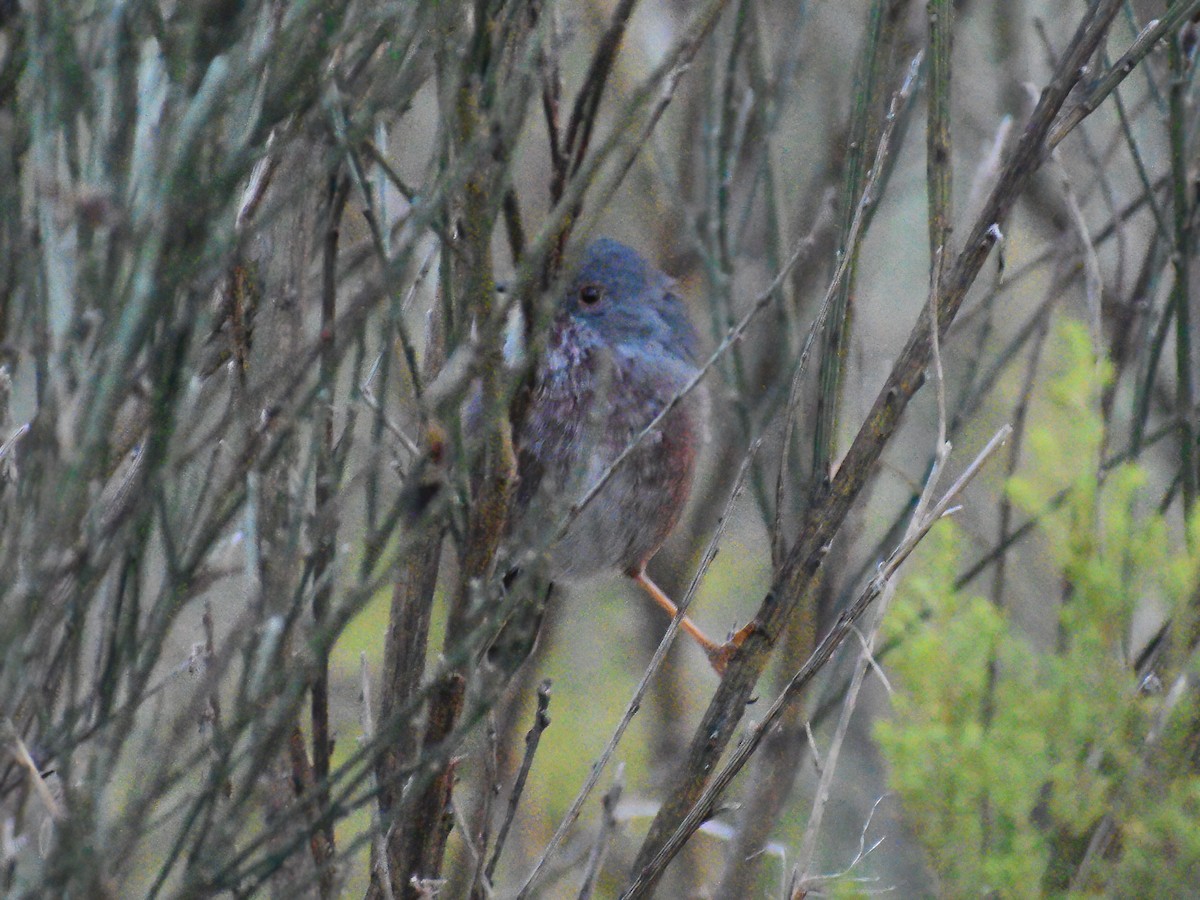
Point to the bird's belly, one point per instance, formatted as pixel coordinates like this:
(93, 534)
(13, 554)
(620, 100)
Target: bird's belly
(635, 509)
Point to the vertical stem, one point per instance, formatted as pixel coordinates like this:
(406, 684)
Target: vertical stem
(864, 129)
(1180, 294)
(325, 523)
(939, 170)
(685, 802)
(472, 216)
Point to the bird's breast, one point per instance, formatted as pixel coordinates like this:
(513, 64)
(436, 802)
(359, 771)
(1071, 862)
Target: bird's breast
(589, 407)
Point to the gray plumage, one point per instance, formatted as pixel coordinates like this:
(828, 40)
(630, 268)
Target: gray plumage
(620, 347)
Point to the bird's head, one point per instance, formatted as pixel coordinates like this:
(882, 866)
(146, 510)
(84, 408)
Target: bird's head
(624, 301)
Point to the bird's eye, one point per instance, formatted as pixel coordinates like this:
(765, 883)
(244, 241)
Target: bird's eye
(589, 295)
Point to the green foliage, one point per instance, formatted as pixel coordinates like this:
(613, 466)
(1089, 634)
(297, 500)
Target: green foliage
(1007, 758)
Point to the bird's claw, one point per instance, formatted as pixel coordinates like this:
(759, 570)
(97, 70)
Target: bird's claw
(719, 656)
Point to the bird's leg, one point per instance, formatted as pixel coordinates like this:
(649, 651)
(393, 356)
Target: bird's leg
(718, 654)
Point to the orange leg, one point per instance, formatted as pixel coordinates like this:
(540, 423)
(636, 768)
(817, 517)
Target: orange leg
(718, 654)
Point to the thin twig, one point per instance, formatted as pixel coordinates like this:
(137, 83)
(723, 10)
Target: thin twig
(379, 855)
(763, 300)
(25, 760)
(707, 801)
(799, 888)
(481, 886)
(1185, 388)
(856, 214)
(920, 522)
(826, 517)
(608, 824)
(1155, 30)
(794, 395)
(635, 702)
(541, 721)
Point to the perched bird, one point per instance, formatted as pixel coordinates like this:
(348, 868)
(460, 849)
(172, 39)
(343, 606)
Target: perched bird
(620, 349)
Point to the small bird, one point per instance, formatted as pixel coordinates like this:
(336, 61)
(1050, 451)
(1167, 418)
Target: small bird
(620, 348)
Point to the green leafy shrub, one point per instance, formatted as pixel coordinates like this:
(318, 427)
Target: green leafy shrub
(1016, 764)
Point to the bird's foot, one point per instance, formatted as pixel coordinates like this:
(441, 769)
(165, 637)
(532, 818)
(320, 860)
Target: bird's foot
(720, 655)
